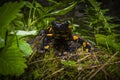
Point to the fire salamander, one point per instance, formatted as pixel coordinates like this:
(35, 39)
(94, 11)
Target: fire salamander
(60, 37)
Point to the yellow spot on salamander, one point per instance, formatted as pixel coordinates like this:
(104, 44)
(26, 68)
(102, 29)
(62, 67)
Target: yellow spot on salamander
(49, 34)
(84, 44)
(87, 50)
(75, 37)
(50, 29)
(47, 47)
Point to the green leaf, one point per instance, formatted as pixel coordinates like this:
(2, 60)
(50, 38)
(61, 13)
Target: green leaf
(112, 43)
(64, 11)
(68, 63)
(28, 4)
(36, 74)
(2, 41)
(8, 13)
(25, 33)
(53, 1)
(25, 47)
(2, 36)
(100, 39)
(95, 4)
(47, 21)
(108, 41)
(12, 61)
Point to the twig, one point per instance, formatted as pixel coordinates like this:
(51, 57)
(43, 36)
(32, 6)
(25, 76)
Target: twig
(102, 69)
(102, 66)
(92, 67)
(106, 73)
(31, 56)
(54, 58)
(90, 72)
(83, 58)
(43, 60)
(79, 77)
(54, 73)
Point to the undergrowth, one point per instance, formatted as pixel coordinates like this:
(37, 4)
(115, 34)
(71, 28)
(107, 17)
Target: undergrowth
(20, 60)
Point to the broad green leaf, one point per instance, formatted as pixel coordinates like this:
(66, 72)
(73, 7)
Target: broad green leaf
(20, 43)
(64, 11)
(12, 61)
(25, 47)
(8, 13)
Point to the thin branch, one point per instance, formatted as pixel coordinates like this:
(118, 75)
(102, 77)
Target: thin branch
(106, 73)
(44, 60)
(54, 58)
(54, 73)
(92, 67)
(32, 56)
(83, 58)
(93, 70)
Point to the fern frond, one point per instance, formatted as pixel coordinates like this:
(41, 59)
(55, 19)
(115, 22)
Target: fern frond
(108, 41)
